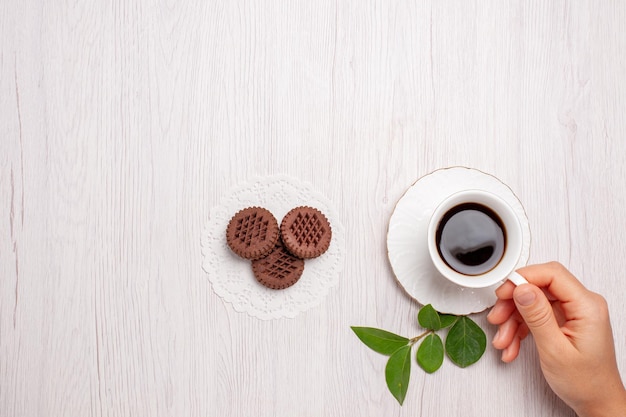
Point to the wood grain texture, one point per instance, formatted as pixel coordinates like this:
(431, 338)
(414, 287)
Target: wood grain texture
(121, 125)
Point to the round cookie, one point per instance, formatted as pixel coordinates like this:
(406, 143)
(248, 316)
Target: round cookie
(252, 233)
(279, 269)
(306, 232)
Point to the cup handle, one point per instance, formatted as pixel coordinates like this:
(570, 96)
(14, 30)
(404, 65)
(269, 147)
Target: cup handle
(517, 279)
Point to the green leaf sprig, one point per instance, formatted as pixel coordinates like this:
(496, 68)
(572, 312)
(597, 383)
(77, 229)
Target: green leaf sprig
(465, 344)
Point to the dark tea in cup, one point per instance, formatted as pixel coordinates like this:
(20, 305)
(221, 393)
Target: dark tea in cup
(471, 238)
(475, 239)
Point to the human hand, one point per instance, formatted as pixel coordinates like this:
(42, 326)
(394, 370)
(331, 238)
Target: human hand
(572, 332)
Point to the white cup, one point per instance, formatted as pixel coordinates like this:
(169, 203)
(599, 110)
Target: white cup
(513, 241)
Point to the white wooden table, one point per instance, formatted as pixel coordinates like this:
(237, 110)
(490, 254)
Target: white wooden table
(123, 123)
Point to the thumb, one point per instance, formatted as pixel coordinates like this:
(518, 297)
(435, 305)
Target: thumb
(536, 310)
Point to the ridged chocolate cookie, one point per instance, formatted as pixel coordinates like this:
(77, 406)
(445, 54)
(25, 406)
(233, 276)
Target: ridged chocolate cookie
(252, 233)
(279, 269)
(306, 232)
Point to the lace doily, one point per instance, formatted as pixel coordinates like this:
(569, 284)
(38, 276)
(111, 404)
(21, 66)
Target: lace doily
(231, 276)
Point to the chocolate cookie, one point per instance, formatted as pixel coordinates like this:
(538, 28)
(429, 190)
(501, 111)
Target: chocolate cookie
(252, 233)
(306, 232)
(279, 269)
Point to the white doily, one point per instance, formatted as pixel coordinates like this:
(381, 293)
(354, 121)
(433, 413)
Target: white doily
(231, 276)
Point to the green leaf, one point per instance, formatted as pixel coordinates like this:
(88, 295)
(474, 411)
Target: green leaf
(397, 372)
(428, 318)
(379, 340)
(430, 353)
(466, 342)
(447, 320)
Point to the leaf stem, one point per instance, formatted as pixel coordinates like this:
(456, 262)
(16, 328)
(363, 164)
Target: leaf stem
(416, 338)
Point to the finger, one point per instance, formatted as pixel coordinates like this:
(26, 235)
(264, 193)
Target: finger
(506, 333)
(559, 315)
(510, 353)
(505, 291)
(556, 279)
(522, 331)
(536, 310)
(501, 311)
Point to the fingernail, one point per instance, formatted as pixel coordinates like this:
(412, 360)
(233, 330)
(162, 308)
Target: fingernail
(504, 353)
(496, 337)
(525, 297)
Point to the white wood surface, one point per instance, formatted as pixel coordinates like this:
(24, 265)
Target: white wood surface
(123, 123)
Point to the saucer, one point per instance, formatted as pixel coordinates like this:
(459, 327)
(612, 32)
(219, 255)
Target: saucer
(407, 244)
